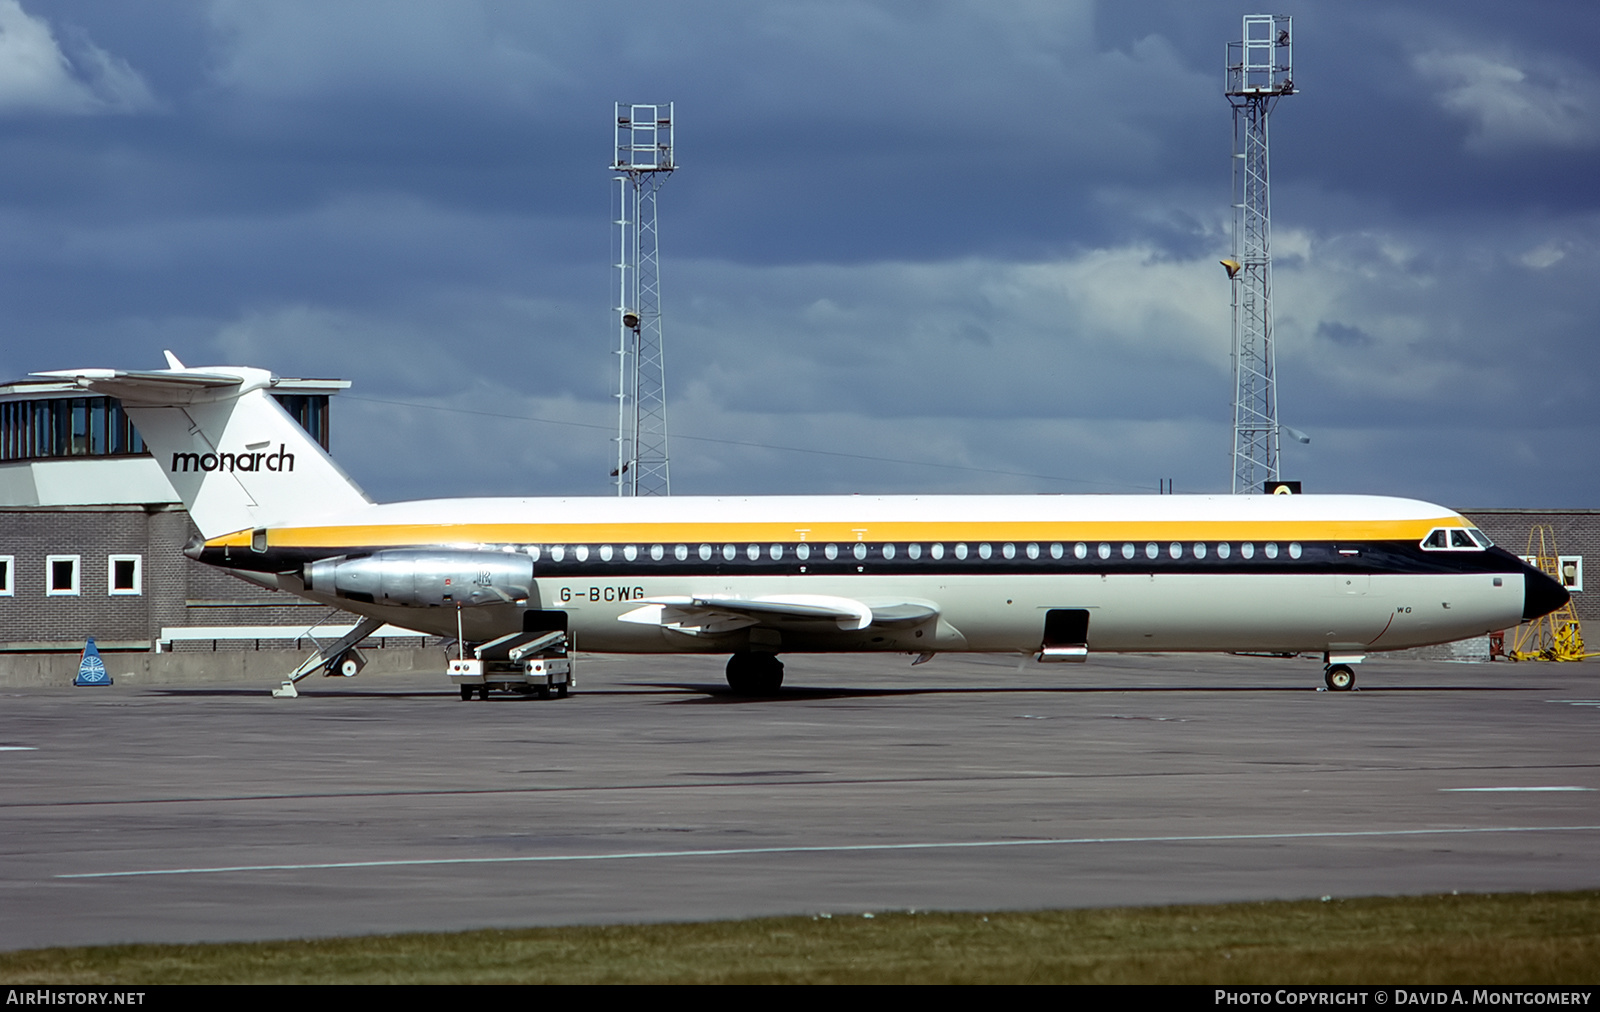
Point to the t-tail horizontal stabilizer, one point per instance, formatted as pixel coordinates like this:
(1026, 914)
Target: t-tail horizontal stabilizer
(234, 456)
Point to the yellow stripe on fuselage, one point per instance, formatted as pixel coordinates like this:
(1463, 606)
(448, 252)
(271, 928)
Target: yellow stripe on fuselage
(404, 535)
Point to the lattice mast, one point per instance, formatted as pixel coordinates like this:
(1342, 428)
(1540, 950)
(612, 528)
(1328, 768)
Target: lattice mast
(1260, 70)
(643, 161)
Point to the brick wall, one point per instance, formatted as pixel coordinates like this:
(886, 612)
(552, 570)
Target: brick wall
(174, 589)
(1577, 532)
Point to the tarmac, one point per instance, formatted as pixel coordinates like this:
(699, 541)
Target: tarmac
(207, 812)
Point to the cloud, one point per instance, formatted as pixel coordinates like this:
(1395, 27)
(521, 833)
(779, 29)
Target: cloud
(36, 75)
(1509, 109)
(1542, 256)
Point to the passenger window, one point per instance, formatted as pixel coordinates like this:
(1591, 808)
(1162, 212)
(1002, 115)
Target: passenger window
(831, 551)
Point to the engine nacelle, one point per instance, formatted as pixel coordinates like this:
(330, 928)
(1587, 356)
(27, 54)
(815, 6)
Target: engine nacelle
(419, 578)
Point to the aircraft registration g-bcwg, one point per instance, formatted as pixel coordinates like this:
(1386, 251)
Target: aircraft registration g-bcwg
(1052, 576)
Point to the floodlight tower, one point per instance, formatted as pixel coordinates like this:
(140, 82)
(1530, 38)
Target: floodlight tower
(1260, 70)
(642, 162)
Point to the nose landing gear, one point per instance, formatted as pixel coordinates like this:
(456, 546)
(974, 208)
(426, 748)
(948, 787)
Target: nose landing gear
(1340, 677)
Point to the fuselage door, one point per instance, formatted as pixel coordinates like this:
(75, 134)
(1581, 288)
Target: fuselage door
(1066, 635)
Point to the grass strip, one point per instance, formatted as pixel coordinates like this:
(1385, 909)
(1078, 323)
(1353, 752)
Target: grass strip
(1541, 938)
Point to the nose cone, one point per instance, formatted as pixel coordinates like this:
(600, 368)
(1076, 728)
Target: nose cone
(1541, 595)
(195, 547)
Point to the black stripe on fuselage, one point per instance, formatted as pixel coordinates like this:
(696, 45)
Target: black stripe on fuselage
(878, 558)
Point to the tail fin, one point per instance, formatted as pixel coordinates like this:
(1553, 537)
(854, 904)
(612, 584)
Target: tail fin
(234, 456)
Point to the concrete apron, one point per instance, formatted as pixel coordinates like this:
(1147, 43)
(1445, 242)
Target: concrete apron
(264, 667)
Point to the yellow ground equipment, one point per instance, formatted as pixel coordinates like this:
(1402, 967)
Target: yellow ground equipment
(1556, 636)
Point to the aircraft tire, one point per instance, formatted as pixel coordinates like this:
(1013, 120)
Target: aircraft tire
(466, 693)
(1340, 677)
(755, 674)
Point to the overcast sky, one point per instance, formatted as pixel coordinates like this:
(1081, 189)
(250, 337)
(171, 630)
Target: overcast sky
(959, 247)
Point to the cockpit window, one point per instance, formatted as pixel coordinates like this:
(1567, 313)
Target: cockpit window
(1455, 539)
(1482, 538)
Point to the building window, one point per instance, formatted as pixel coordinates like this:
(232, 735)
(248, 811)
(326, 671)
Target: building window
(1571, 569)
(98, 426)
(124, 575)
(61, 575)
(8, 564)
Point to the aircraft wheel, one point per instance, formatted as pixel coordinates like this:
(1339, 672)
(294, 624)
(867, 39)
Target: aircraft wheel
(755, 674)
(1340, 677)
(561, 691)
(466, 692)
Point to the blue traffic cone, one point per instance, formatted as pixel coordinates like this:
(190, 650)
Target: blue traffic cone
(91, 670)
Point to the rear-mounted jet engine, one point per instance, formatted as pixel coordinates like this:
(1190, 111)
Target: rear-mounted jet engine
(425, 579)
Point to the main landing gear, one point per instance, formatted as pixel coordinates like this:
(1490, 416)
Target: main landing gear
(755, 674)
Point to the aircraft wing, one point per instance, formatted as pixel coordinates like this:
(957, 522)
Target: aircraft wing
(716, 613)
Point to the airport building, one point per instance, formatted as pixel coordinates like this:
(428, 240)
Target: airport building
(92, 534)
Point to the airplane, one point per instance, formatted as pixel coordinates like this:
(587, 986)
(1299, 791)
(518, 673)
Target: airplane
(1052, 577)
